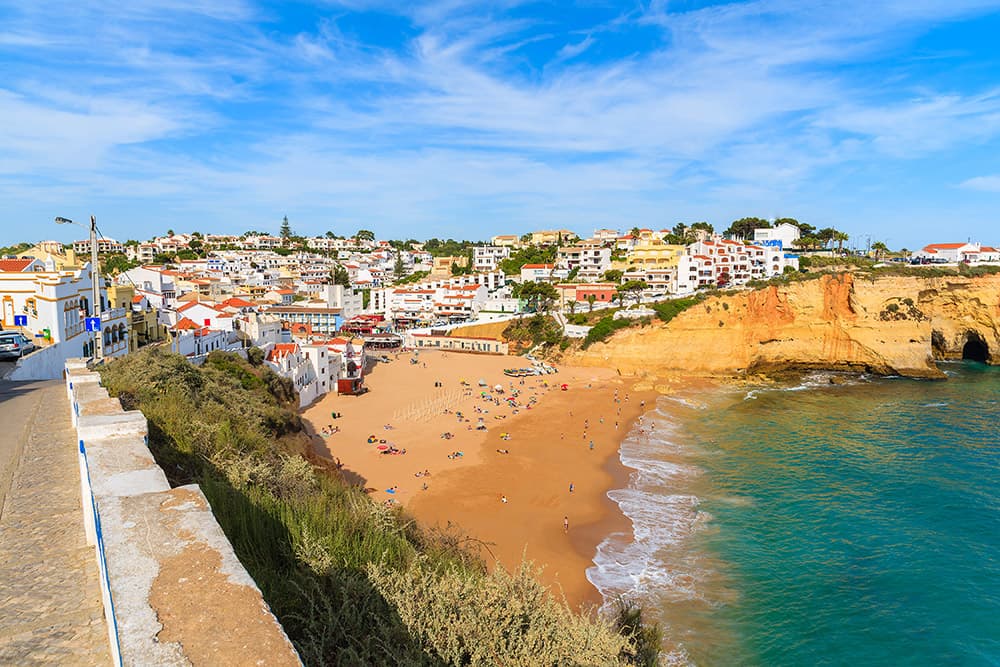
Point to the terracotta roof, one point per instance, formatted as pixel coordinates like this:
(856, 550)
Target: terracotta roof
(186, 323)
(944, 246)
(138, 298)
(237, 302)
(15, 265)
(280, 350)
(538, 266)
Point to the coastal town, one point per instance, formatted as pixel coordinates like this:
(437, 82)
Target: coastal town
(321, 308)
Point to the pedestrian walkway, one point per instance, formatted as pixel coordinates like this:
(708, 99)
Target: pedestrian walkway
(50, 602)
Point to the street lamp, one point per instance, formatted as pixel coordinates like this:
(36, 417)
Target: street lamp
(95, 274)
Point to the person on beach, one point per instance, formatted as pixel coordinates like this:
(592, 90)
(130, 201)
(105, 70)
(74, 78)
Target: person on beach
(503, 499)
(565, 524)
(571, 487)
(591, 445)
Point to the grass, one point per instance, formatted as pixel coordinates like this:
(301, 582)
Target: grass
(339, 571)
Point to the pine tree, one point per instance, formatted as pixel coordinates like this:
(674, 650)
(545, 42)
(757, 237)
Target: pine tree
(286, 229)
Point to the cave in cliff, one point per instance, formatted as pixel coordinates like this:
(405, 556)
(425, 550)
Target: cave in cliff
(975, 349)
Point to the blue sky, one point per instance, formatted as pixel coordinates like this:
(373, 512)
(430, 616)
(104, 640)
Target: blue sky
(460, 119)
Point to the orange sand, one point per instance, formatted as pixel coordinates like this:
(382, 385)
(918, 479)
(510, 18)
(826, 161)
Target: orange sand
(548, 451)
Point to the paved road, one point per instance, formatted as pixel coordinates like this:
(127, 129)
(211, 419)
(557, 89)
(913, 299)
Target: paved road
(6, 367)
(50, 603)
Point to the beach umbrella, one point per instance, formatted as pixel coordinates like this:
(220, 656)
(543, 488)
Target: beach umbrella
(482, 382)
(499, 387)
(382, 448)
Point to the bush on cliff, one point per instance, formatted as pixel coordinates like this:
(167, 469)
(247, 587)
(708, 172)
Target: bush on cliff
(339, 571)
(668, 310)
(604, 328)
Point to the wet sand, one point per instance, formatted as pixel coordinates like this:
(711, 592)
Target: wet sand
(549, 449)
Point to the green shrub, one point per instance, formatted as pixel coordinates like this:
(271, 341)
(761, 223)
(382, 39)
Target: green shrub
(646, 639)
(464, 618)
(668, 310)
(604, 328)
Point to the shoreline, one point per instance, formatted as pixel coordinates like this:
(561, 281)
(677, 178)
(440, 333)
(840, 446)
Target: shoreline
(548, 450)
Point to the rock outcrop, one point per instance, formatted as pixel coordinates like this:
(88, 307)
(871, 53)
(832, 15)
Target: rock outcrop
(887, 326)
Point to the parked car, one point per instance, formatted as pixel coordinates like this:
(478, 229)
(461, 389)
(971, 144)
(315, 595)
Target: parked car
(13, 345)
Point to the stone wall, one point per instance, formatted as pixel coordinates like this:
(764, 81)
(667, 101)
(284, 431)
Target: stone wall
(174, 591)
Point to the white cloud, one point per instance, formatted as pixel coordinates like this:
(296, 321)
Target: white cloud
(989, 183)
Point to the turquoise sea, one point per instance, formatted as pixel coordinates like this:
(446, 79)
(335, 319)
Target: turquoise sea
(818, 523)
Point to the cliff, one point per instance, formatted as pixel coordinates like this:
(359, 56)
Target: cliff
(887, 325)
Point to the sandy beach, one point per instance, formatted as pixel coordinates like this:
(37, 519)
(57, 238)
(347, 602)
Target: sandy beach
(548, 447)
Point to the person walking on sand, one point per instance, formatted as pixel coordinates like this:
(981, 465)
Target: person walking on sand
(565, 524)
(571, 487)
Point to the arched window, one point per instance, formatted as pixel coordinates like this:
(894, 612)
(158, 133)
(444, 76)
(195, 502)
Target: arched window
(121, 332)
(107, 336)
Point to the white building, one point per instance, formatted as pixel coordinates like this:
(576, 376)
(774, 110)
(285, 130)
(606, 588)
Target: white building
(104, 246)
(153, 282)
(782, 236)
(534, 273)
(973, 253)
(55, 305)
(289, 361)
(488, 258)
(591, 260)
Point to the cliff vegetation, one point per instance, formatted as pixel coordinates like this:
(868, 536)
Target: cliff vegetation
(351, 581)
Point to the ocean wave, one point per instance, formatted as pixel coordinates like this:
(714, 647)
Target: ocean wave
(685, 402)
(644, 565)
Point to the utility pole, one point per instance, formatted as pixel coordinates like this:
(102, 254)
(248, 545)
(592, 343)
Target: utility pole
(95, 277)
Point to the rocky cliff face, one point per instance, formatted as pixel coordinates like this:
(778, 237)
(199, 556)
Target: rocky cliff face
(889, 326)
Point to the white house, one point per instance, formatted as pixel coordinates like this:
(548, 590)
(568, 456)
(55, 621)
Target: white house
(488, 258)
(783, 236)
(53, 303)
(290, 361)
(591, 260)
(533, 273)
(973, 253)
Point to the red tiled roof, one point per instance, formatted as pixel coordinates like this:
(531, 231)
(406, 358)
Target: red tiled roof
(280, 350)
(186, 323)
(944, 246)
(237, 302)
(15, 265)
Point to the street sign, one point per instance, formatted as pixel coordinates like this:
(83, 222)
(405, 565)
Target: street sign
(93, 324)
(20, 320)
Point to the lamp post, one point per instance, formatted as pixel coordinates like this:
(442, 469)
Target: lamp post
(95, 275)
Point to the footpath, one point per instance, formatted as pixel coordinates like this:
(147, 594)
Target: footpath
(50, 602)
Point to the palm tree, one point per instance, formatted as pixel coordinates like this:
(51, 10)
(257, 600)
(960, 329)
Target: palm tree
(880, 249)
(840, 237)
(591, 298)
(634, 233)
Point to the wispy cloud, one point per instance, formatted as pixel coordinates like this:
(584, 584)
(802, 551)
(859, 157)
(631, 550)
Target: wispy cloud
(511, 112)
(989, 183)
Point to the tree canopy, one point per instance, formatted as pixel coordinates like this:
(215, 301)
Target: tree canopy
(340, 276)
(528, 255)
(744, 227)
(540, 296)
